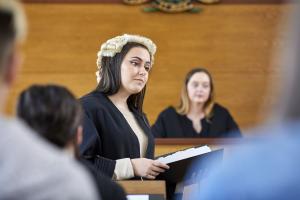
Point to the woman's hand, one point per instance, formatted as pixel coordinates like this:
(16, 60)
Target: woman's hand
(148, 168)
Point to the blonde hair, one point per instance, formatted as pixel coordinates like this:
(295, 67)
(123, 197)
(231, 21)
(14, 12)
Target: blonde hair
(12, 30)
(19, 20)
(184, 105)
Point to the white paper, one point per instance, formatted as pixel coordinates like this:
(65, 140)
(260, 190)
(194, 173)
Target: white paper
(181, 155)
(137, 197)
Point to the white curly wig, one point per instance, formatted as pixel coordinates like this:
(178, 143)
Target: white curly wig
(115, 45)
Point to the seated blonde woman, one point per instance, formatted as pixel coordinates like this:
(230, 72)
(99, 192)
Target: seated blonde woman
(198, 115)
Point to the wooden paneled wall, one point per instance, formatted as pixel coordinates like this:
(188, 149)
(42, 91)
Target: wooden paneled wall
(233, 41)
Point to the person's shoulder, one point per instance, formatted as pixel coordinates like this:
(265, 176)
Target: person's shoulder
(218, 106)
(17, 129)
(219, 109)
(36, 160)
(75, 180)
(170, 110)
(93, 100)
(92, 96)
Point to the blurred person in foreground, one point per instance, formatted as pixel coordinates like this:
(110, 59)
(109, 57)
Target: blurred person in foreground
(268, 167)
(56, 115)
(30, 168)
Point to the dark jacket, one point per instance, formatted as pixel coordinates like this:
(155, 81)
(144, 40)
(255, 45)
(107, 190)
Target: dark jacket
(107, 136)
(108, 189)
(170, 124)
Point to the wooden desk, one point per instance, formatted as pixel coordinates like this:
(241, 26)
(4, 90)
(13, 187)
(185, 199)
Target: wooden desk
(144, 187)
(168, 145)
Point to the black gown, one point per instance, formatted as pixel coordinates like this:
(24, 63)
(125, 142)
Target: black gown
(107, 136)
(170, 124)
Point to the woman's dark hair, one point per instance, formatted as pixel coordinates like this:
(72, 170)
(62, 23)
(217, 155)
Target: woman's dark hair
(110, 73)
(52, 111)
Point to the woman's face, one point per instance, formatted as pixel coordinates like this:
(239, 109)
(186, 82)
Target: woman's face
(134, 70)
(198, 88)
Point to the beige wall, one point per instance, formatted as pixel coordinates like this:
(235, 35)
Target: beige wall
(233, 41)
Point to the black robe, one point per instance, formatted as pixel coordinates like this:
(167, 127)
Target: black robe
(170, 124)
(107, 188)
(107, 136)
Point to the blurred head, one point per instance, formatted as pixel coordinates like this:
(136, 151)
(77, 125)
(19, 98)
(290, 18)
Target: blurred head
(53, 112)
(12, 31)
(124, 63)
(197, 89)
(289, 98)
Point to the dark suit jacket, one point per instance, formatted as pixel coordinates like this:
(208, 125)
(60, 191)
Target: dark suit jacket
(170, 124)
(108, 189)
(107, 136)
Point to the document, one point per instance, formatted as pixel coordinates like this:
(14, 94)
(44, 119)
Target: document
(184, 154)
(180, 162)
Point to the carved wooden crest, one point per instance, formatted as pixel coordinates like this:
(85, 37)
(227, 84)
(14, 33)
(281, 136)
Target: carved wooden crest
(170, 6)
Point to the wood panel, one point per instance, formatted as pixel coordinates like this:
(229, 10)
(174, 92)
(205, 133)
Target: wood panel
(121, 1)
(144, 187)
(233, 41)
(229, 145)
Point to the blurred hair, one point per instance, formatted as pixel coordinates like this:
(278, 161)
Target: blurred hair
(288, 108)
(52, 111)
(12, 28)
(184, 105)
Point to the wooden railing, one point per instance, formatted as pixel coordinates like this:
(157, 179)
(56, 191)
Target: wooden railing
(168, 145)
(164, 146)
(121, 1)
(198, 141)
